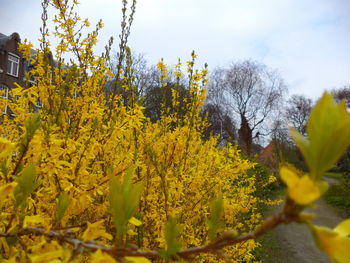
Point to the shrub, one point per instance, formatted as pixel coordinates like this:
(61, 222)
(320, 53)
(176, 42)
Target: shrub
(89, 178)
(62, 158)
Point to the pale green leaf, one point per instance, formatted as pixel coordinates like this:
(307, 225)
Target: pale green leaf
(62, 205)
(26, 184)
(216, 210)
(172, 233)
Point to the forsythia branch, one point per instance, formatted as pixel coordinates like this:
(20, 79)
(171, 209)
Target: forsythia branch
(290, 213)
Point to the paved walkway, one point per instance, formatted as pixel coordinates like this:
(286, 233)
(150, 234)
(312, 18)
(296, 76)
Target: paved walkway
(294, 243)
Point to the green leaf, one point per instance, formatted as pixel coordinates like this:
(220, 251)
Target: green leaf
(335, 147)
(328, 130)
(4, 167)
(12, 241)
(31, 125)
(62, 205)
(124, 201)
(26, 184)
(304, 146)
(216, 211)
(323, 186)
(172, 233)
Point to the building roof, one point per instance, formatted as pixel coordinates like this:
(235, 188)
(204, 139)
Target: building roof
(4, 38)
(268, 151)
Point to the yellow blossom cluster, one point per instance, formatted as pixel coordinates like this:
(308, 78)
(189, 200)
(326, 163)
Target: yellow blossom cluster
(58, 162)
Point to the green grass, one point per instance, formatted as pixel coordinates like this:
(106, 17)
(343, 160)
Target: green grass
(270, 249)
(339, 196)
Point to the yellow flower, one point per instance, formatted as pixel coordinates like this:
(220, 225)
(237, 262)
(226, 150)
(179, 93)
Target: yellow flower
(6, 190)
(137, 260)
(96, 230)
(334, 242)
(48, 252)
(302, 190)
(135, 221)
(6, 147)
(101, 257)
(33, 221)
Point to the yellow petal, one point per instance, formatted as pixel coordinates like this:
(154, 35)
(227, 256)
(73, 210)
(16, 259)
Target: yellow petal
(96, 230)
(100, 257)
(46, 257)
(6, 190)
(341, 249)
(288, 176)
(305, 191)
(324, 237)
(6, 147)
(137, 260)
(306, 217)
(11, 260)
(49, 252)
(343, 228)
(33, 221)
(135, 221)
(336, 246)
(132, 232)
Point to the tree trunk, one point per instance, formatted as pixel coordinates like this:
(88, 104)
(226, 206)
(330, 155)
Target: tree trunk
(245, 136)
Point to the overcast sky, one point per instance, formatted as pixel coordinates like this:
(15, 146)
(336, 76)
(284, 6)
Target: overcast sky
(308, 41)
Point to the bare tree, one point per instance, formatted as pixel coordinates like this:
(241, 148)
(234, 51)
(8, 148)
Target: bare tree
(220, 123)
(137, 70)
(251, 92)
(342, 94)
(297, 112)
(159, 97)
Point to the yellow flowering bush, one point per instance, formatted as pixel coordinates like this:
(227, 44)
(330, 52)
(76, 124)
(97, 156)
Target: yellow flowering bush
(88, 172)
(88, 178)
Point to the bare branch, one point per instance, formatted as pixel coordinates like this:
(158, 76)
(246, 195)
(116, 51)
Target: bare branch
(290, 213)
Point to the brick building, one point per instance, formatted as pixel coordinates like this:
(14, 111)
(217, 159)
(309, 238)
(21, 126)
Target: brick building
(11, 64)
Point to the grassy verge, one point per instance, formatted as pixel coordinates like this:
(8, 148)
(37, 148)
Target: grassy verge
(338, 195)
(270, 249)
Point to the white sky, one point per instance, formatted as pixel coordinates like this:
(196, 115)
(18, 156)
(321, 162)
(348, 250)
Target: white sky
(306, 40)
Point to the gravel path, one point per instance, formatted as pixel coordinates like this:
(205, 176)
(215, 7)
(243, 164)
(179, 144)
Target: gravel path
(294, 243)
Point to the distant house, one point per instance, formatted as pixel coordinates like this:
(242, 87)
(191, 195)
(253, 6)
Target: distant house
(11, 62)
(269, 157)
(13, 66)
